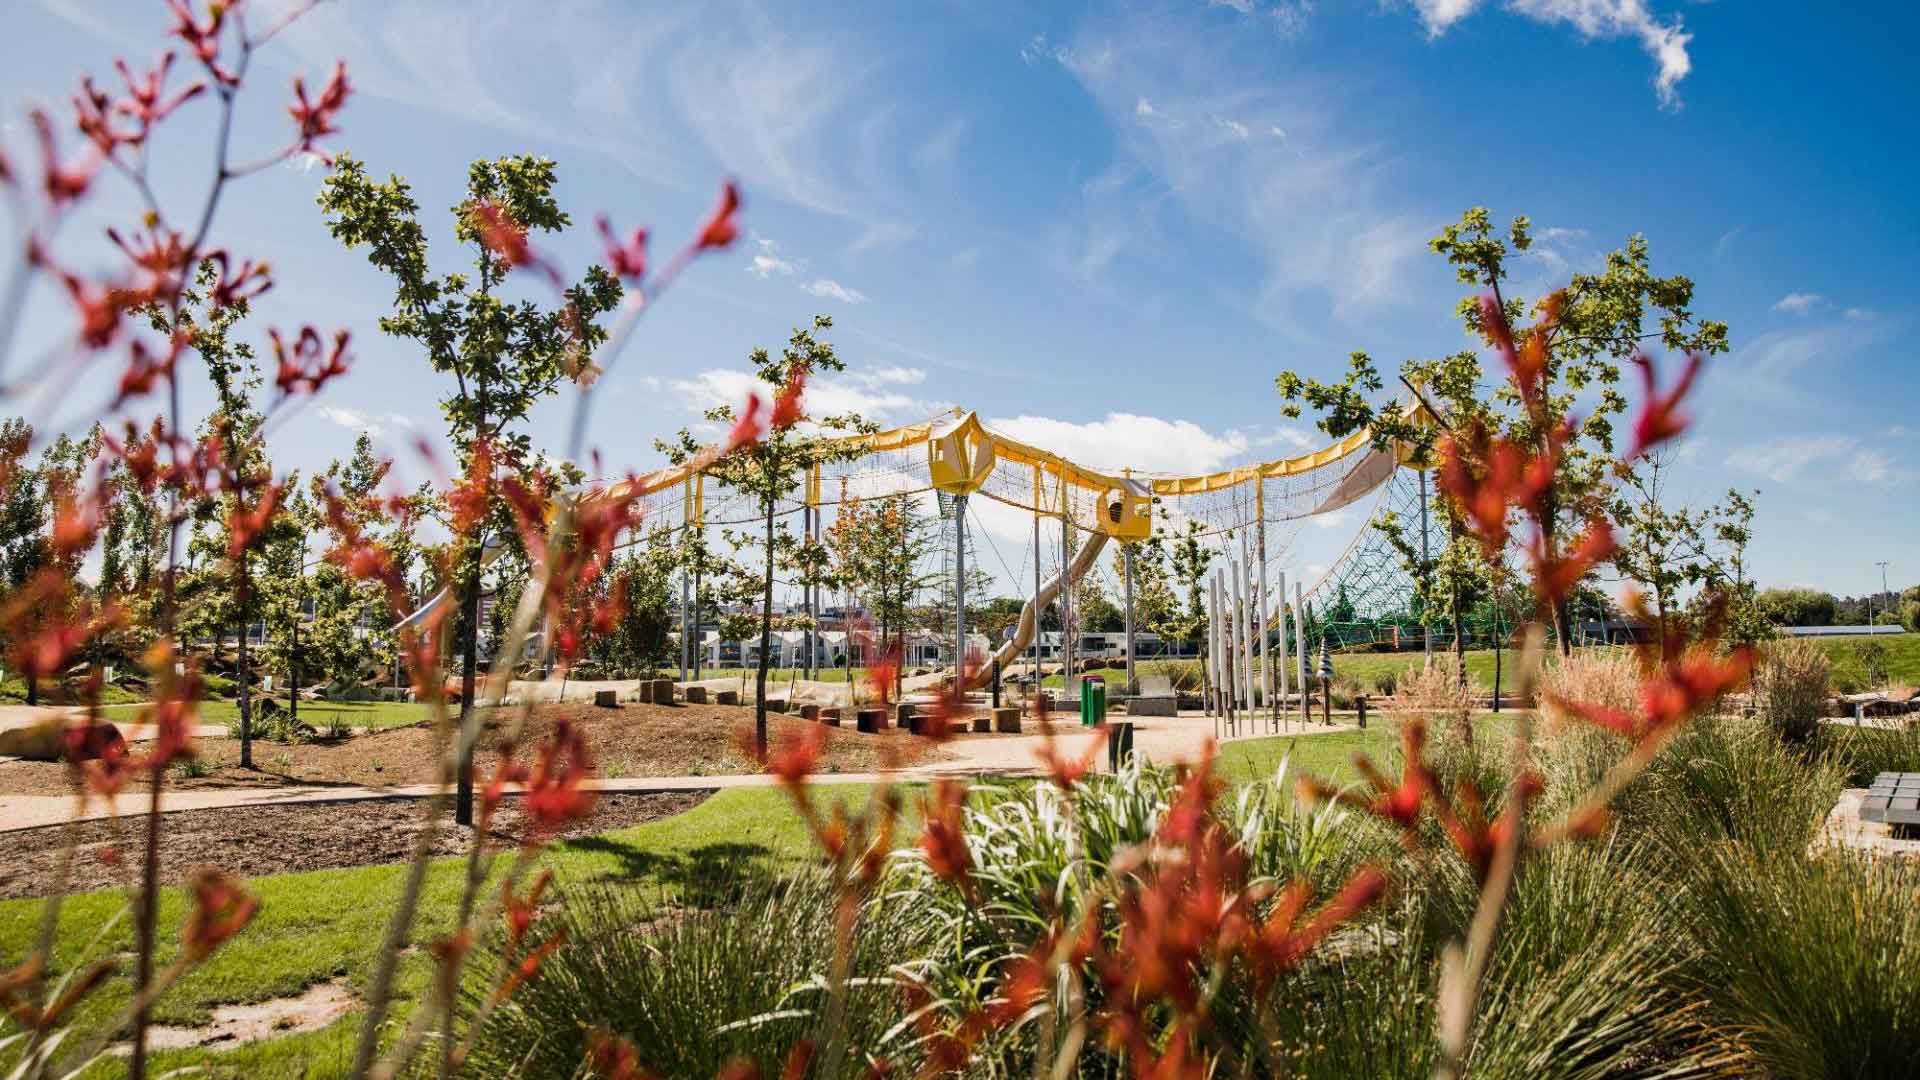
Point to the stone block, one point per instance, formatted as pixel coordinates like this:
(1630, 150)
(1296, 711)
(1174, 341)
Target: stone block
(643, 692)
(1153, 706)
(1006, 720)
(809, 712)
(607, 699)
(905, 715)
(982, 723)
(777, 705)
(870, 721)
(726, 697)
(830, 716)
(696, 695)
(662, 692)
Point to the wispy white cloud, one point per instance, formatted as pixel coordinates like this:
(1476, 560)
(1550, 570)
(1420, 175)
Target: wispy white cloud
(1798, 303)
(1664, 41)
(875, 398)
(1312, 206)
(373, 423)
(1789, 459)
(767, 260)
(829, 289)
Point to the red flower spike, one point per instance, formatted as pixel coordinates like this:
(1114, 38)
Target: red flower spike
(943, 839)
(203, 38)
(749, 427)
(799, 1060)
(315, 118)
(222, 907)
(738, 1069)
(628, 260)
(721, 230)
(1660, 417)
(786, 407)
(1066, 771)
(556, 791)
(614, 1058)
(307, 364)
(63, 184)
(1280, 943)
(795, 759)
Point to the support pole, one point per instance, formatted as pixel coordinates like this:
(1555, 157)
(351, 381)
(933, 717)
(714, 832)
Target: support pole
(1246, 632)
(1066, 591)
(1260, 613)
(1280, 669)
(1216, 703)
(1426, 638)
(1300, 649)
(1126, 563)
(686, 621)
(1036, 590)
(1237, 623)
(959, 591)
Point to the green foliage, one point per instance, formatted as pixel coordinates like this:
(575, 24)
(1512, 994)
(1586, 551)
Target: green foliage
(1797, 606)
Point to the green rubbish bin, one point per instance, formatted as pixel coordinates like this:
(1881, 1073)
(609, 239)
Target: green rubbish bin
(1093, 700)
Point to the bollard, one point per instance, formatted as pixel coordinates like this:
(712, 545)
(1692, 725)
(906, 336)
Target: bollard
(1119, 744)
(996, 682)
(1360, 704)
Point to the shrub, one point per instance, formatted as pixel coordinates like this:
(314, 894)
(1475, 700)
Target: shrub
(1436, 691)
(1812, 963)
(694, 990)
(1386, 682)
(1790, 686)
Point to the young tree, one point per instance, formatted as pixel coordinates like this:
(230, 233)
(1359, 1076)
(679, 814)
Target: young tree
(774, 467)
(504, 354)
(1188, 558)
(1589, 328)
(879, 549)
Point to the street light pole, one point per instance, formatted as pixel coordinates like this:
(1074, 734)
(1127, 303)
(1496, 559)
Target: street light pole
(1883, 592)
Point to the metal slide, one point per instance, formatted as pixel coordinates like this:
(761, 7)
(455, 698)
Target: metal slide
(1007, 655)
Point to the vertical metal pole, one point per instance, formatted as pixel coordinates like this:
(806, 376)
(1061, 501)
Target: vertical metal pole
(1036, 591)
(1300, 647)
(1213, 649)
(1126, 563)
(959, 591)
(1260, 624)
(1237, 629)
(1426, 637)
(1280, 669)
(1246, 631)
(1066, 590)
(686, 615)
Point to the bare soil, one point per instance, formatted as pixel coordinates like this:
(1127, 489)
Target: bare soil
(632, 740)
(255, 840)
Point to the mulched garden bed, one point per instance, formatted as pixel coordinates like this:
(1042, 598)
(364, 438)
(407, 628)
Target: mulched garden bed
(632, 740)
(254, 840)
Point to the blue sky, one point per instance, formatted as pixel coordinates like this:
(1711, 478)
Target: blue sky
(1106, 227)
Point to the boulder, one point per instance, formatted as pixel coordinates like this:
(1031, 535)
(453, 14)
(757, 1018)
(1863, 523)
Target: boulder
(46, 740)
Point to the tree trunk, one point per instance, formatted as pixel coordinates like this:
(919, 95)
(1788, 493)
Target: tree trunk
(241, 673)
(1499, 647)
(766, 644)
(1459, 639)
(469, 664)
(33, 688)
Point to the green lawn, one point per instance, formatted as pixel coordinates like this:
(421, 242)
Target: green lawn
(377, 715)
(315, 926)
(1902, 663)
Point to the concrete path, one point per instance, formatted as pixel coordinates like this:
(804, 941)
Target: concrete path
(1163, 739)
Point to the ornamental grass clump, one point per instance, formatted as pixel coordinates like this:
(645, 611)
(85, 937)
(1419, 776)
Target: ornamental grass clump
(1791, 686)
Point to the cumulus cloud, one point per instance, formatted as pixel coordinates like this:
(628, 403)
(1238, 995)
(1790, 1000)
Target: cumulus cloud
(1798, 303)
(1128, 440)
(829, 289)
